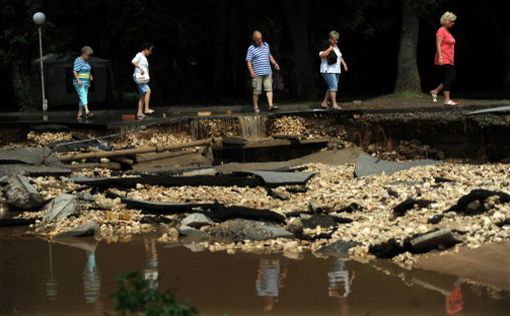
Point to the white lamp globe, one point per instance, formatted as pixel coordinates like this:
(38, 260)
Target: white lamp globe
(39, 18)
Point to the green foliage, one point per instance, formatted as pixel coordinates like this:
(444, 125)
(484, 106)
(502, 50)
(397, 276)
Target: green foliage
(134, 295)
(17, 30)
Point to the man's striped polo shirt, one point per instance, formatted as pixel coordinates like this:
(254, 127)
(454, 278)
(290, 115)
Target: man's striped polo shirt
(259, 58)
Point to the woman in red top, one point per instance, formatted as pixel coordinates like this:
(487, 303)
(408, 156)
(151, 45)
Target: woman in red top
(445, 53)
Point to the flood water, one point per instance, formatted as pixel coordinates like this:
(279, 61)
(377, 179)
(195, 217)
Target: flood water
(78, 278)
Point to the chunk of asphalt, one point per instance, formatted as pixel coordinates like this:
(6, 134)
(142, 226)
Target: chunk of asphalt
(277, 178)
(474, 202)
(436, 239)
(196, 220)
(436, 219)
(402, 208)
(353, 207)
(368, 165)
(324, 221)
(337, 248)
(22, 195)
(284, 196)
(314, 206)
(60, 208)
(387, 249)
(241, 229)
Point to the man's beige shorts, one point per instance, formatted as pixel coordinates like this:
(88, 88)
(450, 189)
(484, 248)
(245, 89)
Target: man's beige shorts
(259, 81)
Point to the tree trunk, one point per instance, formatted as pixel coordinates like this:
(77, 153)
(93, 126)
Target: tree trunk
(408, 78)
(21, 86)
(304, 72)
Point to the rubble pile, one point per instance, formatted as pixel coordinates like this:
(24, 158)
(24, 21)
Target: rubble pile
(316, 126)
(46, 138)
(397, 216)
(151, 137)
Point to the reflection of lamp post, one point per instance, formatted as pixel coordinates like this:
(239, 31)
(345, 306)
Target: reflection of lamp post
(51, 284)
(39, 19)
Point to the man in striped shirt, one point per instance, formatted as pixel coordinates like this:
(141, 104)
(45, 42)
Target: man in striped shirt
(259, 60)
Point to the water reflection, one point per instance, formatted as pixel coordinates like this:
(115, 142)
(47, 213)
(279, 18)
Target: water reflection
(269, 282)
(51, 284)
(90, 273)
(340, 283)
(217, 283)
(91, 279)
(151, 272)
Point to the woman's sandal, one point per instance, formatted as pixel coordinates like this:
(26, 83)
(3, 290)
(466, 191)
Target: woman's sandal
(273, 108)
(451, 103)
(434, 96)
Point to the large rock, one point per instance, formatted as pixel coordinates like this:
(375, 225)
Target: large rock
(241, 229)
(368, 165)
(60, 208)
(192, 234)
(21, 194)
(197, 220)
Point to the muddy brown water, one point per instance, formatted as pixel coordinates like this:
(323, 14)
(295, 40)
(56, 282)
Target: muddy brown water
(78, 278)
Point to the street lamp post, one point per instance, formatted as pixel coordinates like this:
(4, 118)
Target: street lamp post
(39, 19)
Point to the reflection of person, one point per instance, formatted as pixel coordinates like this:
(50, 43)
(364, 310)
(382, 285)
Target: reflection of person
(141, 65)
(269, 282)
(151, 272)
(340, 283)
(444, 59)
(454, 302)
(82, 79)
(331, 67)
(259, 61)
(91, 279)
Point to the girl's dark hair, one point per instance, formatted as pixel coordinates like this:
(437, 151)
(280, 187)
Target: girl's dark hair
(147, 45)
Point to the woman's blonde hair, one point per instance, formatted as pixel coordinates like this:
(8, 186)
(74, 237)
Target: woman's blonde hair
(447, 17)
(334, 34)
(87, 49)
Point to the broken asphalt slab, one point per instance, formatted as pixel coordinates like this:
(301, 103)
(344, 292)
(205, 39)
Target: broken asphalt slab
(367, 165)
(22, 195)
(29, 156)
(60, 208)
(216, 211)
(32, 162)
(242, 179)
